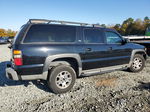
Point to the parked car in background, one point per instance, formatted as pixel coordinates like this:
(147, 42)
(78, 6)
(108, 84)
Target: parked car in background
(10, 39)
(3, 40)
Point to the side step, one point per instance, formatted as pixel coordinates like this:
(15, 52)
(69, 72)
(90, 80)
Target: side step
(91, 72)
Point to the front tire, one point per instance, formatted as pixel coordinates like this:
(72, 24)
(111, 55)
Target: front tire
(138, 63)
(61, 79)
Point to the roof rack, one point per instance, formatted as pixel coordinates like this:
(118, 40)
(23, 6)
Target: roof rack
(45, 21)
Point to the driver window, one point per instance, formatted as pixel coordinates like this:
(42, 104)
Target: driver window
(113, 38)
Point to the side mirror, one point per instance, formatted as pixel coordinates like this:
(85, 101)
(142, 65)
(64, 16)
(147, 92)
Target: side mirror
(10, 42)
(126, 40)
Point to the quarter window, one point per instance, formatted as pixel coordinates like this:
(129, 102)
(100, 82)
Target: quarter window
(50, 33)
(93, 36)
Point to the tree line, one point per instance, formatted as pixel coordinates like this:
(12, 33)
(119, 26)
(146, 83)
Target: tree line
(128, 27)
(7, 33)
(132, 27)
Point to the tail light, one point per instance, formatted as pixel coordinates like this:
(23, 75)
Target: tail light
(17, 54)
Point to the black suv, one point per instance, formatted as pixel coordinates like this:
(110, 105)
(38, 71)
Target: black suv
(61, 51)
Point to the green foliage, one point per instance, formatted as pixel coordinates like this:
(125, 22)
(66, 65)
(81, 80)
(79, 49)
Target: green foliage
(103, 25)
(147, 34)
(7, 33)
(133, 27)
(146, 19)
(11, 33)
(2, 33)
(128, 27)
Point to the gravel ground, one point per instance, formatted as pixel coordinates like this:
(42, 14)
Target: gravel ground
(118, 91)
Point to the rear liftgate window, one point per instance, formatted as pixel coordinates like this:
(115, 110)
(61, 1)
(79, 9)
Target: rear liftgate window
(50, 33)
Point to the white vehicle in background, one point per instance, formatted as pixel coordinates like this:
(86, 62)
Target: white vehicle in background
(142, 40)
(134, 37)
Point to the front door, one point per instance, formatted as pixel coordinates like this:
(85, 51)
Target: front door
(118, 51)
(104, 49)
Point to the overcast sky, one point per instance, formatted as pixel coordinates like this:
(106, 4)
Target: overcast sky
(15, 13)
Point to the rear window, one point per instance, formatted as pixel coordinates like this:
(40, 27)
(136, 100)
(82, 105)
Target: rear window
(50, 33)
(93, 36)
(20, 34)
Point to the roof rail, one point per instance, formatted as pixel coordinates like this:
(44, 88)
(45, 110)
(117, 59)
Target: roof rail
(60, 22)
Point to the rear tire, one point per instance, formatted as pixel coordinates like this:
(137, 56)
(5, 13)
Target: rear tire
(138, 63)
(61, 79)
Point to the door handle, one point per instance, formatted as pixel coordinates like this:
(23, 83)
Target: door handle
(110, 49)
(88, 49)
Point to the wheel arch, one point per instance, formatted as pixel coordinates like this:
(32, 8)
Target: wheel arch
(137, 51)
(68, 59)
(142, 53)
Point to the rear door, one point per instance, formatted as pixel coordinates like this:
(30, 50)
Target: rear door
(94, 48)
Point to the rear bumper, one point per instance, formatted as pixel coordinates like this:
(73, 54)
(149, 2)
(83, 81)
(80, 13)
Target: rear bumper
(12, 74)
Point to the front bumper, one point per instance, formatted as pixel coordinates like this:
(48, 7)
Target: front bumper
(11, 74)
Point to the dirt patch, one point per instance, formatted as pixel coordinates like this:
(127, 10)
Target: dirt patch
(107, 82)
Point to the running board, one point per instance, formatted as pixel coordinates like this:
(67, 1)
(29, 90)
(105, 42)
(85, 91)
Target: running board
(102, 70)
